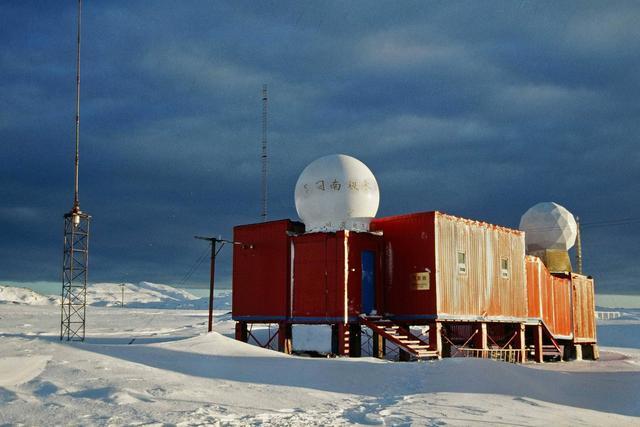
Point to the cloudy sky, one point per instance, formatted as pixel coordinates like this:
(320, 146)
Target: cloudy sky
(478, 109)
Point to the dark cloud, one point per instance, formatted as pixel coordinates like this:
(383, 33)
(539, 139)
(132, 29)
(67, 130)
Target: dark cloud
(476, 109)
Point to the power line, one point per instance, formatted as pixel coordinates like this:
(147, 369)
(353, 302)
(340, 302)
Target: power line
(612, 223)
(194, 267)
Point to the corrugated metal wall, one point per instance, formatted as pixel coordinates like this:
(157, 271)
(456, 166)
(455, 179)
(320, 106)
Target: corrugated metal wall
(562, 306)
(584, 322)
(549, 298)
(482, 290)
(534, 297)
(546, 291)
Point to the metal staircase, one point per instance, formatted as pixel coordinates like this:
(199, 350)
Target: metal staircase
(550, 347)
(399, 335)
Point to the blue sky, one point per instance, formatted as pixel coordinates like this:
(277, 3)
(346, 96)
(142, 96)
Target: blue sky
(478, 109)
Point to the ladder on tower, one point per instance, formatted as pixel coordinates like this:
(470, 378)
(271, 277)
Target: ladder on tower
(399, 335)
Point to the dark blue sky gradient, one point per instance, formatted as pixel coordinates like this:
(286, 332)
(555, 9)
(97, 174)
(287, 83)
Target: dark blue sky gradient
(478, 109)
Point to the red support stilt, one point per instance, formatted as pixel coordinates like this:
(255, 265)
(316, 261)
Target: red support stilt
(241, 331)
(355, 342)
(340, 338)
(537, 342)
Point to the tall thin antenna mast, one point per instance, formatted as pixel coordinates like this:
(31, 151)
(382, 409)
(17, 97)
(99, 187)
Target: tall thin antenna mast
(578, 248)
(264, 152)
(76, 201)
(75, 252)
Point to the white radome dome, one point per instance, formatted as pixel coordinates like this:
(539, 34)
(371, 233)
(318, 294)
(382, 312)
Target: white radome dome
(549, 226)
(337, 192)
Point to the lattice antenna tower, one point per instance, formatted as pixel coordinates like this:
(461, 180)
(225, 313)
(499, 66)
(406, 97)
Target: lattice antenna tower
(264, 152)
(75, 254)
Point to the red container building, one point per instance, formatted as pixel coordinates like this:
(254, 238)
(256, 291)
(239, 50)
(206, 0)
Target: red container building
(470, 282)
(476, 270)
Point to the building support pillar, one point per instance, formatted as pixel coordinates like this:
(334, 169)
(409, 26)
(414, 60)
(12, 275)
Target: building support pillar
(567, 352)
(403, 356)
(355, 340)
(537, 343)
(241, 331)
(578, 351)
(595, 352)
(285, 338)
(521, 342)
(379, 346)
(480, 340)
(435, 338)
(340, 339)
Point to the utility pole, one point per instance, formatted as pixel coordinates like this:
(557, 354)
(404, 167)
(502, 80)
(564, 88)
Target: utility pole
(122, 303)
(216, 246)
(578, 248)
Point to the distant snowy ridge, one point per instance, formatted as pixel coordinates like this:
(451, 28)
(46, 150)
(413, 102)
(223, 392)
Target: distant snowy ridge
(142, 295)
(12, 295)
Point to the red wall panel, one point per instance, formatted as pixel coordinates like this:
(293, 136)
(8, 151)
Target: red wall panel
(409, 248)
(261, 272)
(320, 266)
(314, 269)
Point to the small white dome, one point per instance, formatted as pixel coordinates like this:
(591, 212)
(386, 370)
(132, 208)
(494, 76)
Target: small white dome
(549, 226)
(337, 192)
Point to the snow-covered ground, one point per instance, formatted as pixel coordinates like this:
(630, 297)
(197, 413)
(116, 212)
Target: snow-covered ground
(143, 364)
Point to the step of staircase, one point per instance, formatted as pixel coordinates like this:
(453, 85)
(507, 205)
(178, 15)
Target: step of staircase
(550, 350)
(400, 336)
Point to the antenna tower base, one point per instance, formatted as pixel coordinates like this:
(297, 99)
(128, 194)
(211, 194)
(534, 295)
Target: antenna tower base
(75, 266)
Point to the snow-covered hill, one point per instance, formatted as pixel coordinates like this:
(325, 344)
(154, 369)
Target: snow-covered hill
(12, 295)
(142, 295)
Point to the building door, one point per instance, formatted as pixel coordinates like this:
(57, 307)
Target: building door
(368, 281)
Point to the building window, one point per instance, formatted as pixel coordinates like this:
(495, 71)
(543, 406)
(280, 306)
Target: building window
(504, 268)
(462, 263)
